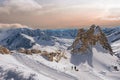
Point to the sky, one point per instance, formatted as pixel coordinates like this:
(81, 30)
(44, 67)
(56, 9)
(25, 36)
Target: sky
(59, 13)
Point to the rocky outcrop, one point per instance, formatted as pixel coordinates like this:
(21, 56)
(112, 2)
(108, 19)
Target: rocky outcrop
(90, 37)
(29, 51)
(4, 50)
(21, 50)
(54, 56)
(35, 51)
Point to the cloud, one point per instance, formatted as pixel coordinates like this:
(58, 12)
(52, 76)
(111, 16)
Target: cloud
(16, 25)
(113, 18)
(112, 14)
(19, 5)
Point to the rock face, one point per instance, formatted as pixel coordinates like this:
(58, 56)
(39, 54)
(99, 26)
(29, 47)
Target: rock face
(4, 50)
(29, 51)
(90, 37)
(54, 56)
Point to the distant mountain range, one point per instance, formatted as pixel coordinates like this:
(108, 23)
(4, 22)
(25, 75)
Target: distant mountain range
(25, 37)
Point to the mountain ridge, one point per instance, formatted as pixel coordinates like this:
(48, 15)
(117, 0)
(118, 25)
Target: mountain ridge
(85, 39)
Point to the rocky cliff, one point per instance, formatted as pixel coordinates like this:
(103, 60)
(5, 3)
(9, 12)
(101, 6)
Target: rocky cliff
(88, 38)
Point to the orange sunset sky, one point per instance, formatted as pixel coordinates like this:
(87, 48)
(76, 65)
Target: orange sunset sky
(59, 13)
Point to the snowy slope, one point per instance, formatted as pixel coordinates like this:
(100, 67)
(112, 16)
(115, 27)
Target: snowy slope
(114, 39)
(11, 69)
(38, 68)
(114, 34)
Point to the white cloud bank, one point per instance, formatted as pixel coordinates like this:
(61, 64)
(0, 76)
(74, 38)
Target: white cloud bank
(16, 25)
(112, 14)
(111, 18)
(19, 5)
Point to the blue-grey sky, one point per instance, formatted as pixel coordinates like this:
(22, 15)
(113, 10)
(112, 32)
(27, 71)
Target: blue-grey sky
(60, 13)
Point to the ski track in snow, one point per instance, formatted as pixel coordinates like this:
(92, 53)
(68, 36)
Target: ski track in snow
(43, 69)
(92, 73)
(99, 75)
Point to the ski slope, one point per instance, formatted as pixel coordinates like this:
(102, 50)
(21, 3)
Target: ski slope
(42, 69)
(11, 69)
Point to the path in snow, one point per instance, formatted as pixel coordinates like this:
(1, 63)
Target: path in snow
(43, 69)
